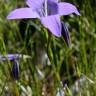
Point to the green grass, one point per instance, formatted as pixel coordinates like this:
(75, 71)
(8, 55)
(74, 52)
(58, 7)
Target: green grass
(65, 63)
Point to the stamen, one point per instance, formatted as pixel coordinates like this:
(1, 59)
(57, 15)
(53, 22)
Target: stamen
(43, 12)
(45, 5)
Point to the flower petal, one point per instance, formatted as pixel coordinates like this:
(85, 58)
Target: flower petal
(13, 56)
(15, 70)
(65, 34)
(9, 57)
(55, 1)
(52, 7)
(23, 13)
(35, 4)
(66, 9)
(53, 24)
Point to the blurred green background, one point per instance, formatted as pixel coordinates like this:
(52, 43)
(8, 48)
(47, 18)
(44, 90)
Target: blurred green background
(37, 76)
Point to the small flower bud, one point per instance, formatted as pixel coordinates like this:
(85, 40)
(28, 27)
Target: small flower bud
(65, 33)
(15, 70)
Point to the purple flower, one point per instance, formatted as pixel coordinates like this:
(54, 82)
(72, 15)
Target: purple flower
(15, 67)
(47, 11)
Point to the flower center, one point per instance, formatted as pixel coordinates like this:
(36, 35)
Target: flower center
(43, 11)
(48, 8)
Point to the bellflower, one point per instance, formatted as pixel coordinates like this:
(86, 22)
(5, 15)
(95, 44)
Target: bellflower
(15, 67)
(47, 11)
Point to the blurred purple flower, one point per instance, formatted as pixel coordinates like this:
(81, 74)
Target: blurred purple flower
(47, 11)
(15, 67)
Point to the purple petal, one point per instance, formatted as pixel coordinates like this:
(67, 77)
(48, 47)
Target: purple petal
(53, 24)
(52, 7)
(15, 70)
(10, 57)
(13, 56)
(65, 34)
(35, 4)
(66, 9)
(23, 13)
(55, 1)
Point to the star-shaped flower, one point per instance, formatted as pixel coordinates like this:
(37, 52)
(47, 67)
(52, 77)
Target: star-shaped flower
(47, 11)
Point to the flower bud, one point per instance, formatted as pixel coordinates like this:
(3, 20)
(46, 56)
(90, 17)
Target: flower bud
(65, 33)
(15, 70)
